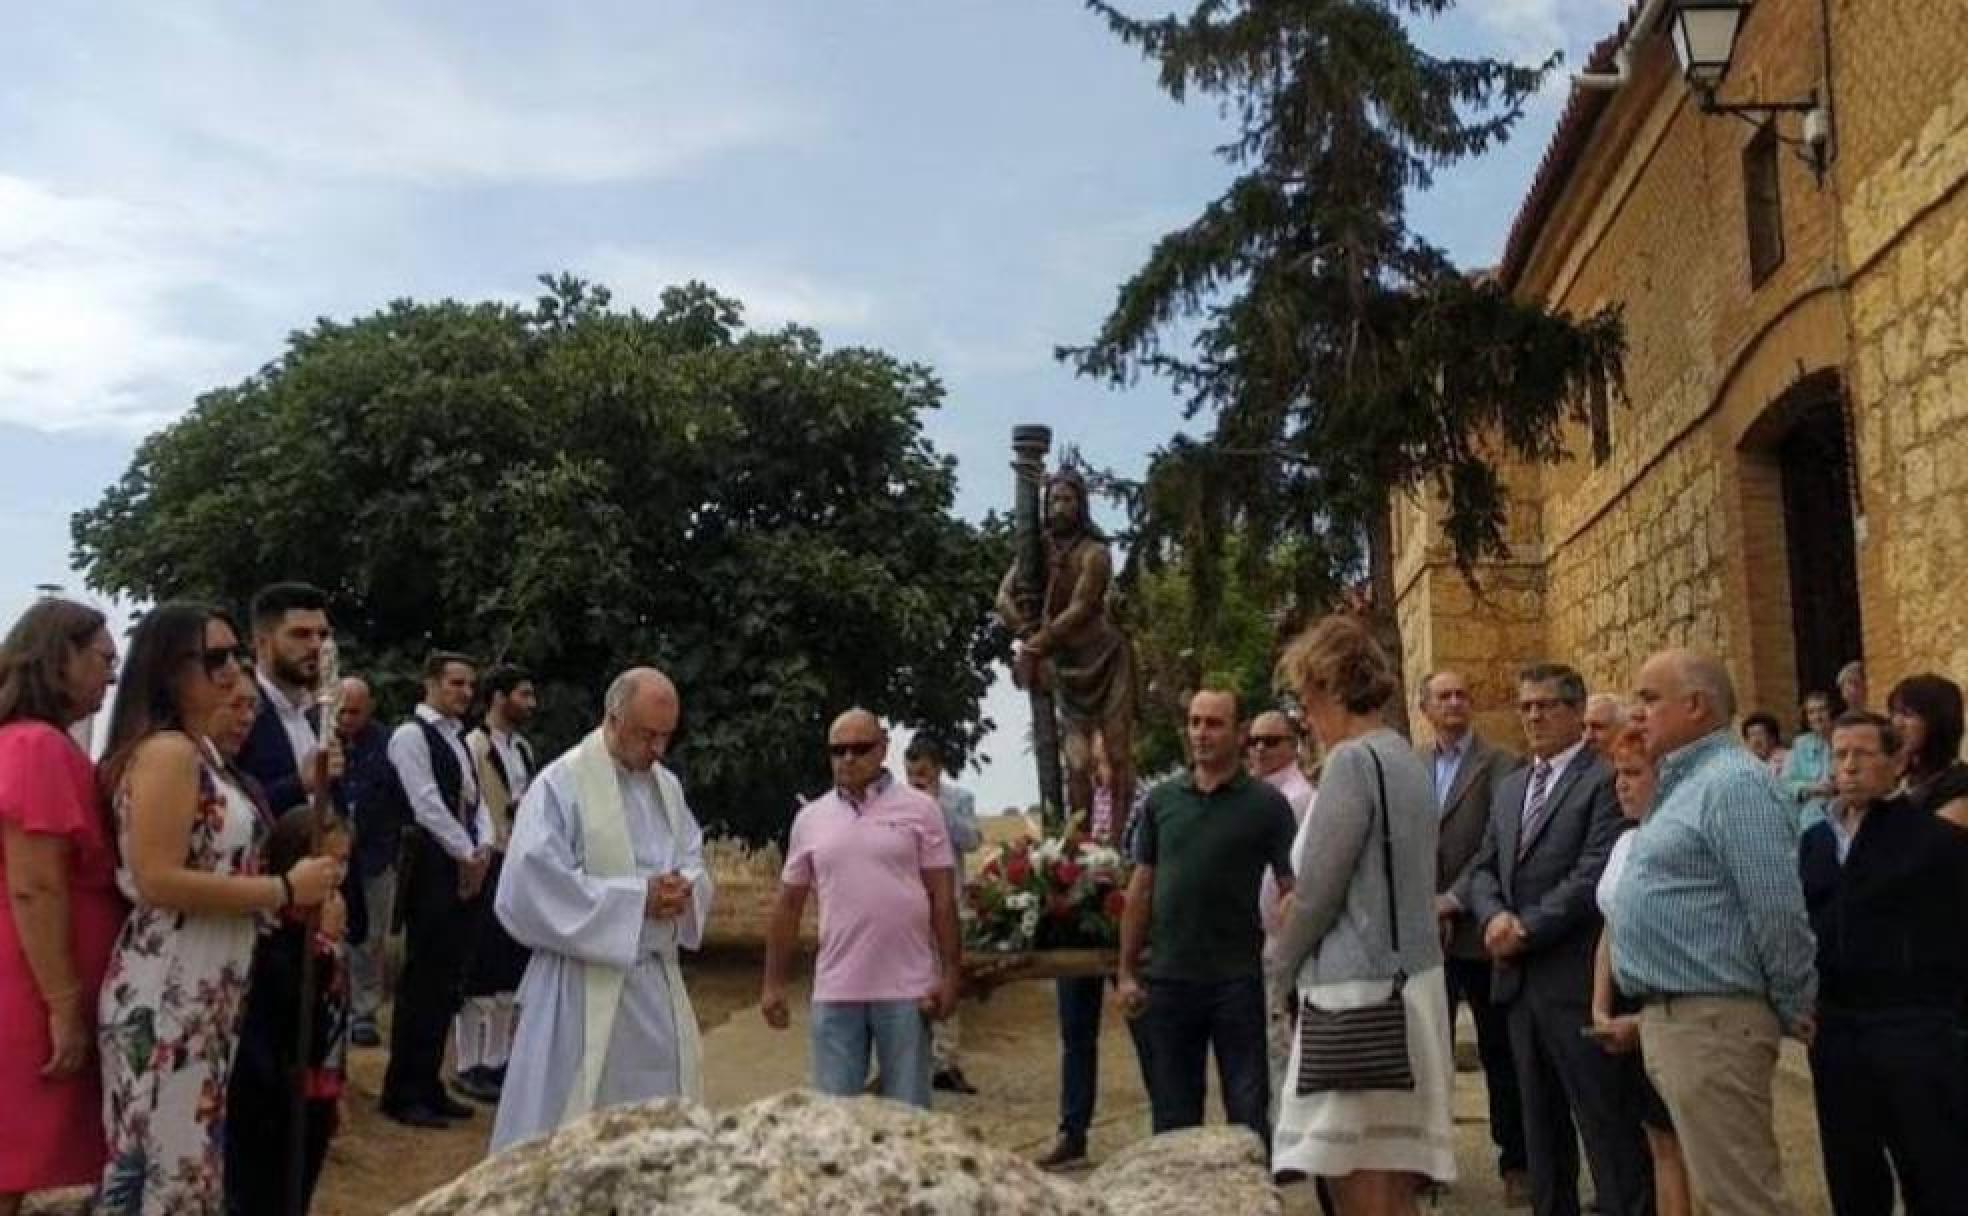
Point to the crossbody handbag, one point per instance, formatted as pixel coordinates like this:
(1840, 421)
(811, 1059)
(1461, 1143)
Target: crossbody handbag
(1365, 1048)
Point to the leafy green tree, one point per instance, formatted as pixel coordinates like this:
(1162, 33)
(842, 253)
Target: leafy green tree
(1342, 357)
(578, 488)
(1184, 643)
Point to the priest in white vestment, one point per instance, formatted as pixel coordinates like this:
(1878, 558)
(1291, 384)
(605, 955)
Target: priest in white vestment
(604, 880)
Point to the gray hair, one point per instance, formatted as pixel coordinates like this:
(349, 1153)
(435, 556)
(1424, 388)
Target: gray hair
(1571, 685)
(1605, 698)
(623, 688)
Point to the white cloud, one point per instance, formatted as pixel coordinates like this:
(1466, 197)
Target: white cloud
(772, 294)
(87, 331)
(366, 91)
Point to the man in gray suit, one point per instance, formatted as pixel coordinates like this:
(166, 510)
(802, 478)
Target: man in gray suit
(1552, 825)
(1466, 769)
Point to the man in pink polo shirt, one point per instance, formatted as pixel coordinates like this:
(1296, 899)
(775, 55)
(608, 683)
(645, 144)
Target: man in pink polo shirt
(889, 952)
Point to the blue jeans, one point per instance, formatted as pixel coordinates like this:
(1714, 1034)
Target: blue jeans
(1185, 1020)
(841, 1034)
(1080, 1000)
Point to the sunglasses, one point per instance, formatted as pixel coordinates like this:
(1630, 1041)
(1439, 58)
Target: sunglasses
(840, 750)
(1267, 740)
(216, 657)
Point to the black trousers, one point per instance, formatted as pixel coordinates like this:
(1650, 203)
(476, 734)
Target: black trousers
(1080, 999)
(1568, 1082)
(1889, 1088)
(1188, 1019)
(438, 933)
(1469, 980)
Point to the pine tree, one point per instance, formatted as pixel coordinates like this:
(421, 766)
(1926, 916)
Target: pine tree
(1342, 358)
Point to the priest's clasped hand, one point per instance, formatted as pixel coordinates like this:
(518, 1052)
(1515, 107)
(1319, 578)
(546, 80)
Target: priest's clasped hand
(668, 896)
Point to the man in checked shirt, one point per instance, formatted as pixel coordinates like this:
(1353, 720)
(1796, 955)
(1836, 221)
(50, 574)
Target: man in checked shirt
(1711, 935)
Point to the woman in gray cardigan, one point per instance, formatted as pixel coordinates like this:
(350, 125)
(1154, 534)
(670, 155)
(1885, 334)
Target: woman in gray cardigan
(1376, 1148)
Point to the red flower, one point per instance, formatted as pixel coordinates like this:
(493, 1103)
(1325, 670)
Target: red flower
(1066, 873)
(1059, 908)
(1115, 903)
(990, 870)
(1017, 869)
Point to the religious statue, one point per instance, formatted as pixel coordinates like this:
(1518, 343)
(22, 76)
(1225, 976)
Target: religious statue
(1072, 649)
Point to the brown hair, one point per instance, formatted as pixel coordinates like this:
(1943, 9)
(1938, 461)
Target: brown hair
(34, 660)
(1631, 739)
(169, 636)
(1337, 656)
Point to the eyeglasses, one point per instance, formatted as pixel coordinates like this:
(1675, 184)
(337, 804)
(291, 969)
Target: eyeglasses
(1267, 740)
(841, 750)
(216, 657)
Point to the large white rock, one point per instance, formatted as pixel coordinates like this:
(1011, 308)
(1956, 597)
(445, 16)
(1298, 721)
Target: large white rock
(1203, 1169)
(790, 1155)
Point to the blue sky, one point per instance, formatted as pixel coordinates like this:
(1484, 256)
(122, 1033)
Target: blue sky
(962, 182)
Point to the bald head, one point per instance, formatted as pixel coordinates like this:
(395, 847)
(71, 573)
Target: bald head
(640, 711)
(1272, 742)
(857, 747)
(1686, 694)
(358, 707)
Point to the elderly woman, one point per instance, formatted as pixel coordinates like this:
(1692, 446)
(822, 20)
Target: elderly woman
(1807, 770)
(188, 840)
(1926, 713)
(1763, 736)
(1354, 946)
(61, 910)
(1615, 1018)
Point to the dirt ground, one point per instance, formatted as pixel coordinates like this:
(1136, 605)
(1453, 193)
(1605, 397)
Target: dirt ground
(1009, 1052)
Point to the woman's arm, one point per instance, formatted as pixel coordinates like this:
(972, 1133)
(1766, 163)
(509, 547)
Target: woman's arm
(1602, 977)
(163, 803)
(1335, 837)
(37, 889)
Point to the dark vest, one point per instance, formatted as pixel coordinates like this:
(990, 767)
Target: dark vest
(450, 777)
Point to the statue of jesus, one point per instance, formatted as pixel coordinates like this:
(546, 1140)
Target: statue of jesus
(1077, 650)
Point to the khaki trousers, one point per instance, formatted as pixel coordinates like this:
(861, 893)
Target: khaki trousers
(1713, 1059)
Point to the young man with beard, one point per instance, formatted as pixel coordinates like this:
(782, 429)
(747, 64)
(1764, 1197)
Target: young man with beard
(504, 762)
(290, 627)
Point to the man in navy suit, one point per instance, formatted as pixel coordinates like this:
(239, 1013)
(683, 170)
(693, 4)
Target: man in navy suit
(1552, 825)
(290, 626)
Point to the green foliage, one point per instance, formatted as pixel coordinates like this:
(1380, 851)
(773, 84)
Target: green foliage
(578, 488)
(1184, 642)
(1342, 357)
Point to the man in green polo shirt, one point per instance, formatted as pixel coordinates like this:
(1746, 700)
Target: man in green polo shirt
(1204, 843)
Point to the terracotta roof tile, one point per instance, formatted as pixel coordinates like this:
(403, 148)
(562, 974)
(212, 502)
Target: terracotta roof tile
(1561, 156)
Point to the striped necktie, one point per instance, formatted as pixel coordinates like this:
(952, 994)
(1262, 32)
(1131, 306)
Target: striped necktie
(1534, 805)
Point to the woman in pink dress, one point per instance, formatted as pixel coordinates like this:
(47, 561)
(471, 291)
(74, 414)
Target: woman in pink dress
(61, 910)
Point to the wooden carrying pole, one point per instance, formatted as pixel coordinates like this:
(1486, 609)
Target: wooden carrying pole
(1029, 445)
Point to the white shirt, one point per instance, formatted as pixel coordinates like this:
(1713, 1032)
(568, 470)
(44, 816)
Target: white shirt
(409, 752)
(1559, 763)
(1609, 878)
(293, 719)
(517, 774)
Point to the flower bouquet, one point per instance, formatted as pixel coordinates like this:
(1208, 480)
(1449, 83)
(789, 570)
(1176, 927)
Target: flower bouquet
(1059, 893)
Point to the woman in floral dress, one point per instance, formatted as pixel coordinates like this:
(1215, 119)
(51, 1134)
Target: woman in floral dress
(188, 840)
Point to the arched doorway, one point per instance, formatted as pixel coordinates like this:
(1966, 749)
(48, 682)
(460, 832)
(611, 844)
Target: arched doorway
(1803, 438)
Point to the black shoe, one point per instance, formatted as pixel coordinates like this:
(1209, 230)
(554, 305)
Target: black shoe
(478, 1085)
(451, 1108)
(1068, 1152)
(497, 1076)
(416, 1115)
(952, 1080)
(364, 1034)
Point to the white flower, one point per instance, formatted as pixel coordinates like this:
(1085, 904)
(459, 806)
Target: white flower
(1020, 901)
